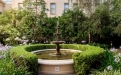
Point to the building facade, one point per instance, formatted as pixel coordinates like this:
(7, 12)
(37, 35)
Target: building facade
(2, 4)
(55, 7)
(5, 5)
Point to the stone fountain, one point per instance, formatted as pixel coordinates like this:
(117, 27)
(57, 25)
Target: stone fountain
(57, 42)
(55, 67)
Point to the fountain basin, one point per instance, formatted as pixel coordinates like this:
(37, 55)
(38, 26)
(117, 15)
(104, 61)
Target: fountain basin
(56, 66)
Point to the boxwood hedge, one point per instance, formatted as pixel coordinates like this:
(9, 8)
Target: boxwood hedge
(83, 61)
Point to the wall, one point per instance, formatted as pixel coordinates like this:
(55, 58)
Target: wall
(7, 6)
(15, 3)
(1, 6)
(59, 6)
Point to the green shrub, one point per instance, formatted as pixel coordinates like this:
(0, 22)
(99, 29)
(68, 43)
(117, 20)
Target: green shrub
(90, 58)
(105, 46)
(7, 66)
(24, 58)
(110, 64)
(105, 72)
(74, 46)
(39, 47)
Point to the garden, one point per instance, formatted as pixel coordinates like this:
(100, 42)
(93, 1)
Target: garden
(97, 34)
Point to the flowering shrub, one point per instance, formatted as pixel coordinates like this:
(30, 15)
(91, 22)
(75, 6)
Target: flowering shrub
(111, 64)
(8, 67)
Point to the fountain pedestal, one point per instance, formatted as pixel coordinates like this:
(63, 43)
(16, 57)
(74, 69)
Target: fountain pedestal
(57, 46)
(57, 49)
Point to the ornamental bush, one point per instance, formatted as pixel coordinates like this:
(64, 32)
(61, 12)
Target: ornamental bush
(88, 59)
(8, 67)
(23, 58)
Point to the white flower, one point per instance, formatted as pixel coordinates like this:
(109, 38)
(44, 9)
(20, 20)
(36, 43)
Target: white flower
(22, 56)
(109, 68)
(117, 59)
(120, 47)
(13, 61)
(20, 44)
(83, 41)
(113, 50)
(119, 54)
(23, 37)
(7, 39)
(17, 38)
(24, 43)
(32, 41)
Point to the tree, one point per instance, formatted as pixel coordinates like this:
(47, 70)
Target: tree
(37, 9)
(8, 24)
(115, 16)
(71, 24)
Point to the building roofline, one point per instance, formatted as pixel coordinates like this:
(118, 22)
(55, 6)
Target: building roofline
(1, 1)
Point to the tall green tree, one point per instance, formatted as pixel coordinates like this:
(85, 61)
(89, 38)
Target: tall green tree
(8, 25)
(37, 15)
(71, 24)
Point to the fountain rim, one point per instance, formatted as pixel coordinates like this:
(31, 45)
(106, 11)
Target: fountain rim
(72, 50)
(57, 62)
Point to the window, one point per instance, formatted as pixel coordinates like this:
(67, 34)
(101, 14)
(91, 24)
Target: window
(20, 5)
(52, 8)
(66, 6)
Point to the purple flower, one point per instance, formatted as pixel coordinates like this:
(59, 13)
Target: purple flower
(2, 56)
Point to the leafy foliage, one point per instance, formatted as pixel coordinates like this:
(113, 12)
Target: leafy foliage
(87, 59)
(8, 67)
(71, 23)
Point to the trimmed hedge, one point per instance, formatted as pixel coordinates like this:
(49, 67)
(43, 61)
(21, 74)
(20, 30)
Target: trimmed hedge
(23, 58)
(82, 61)
(90, 58)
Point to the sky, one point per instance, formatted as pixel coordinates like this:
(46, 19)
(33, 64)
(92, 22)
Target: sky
(7, 1)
